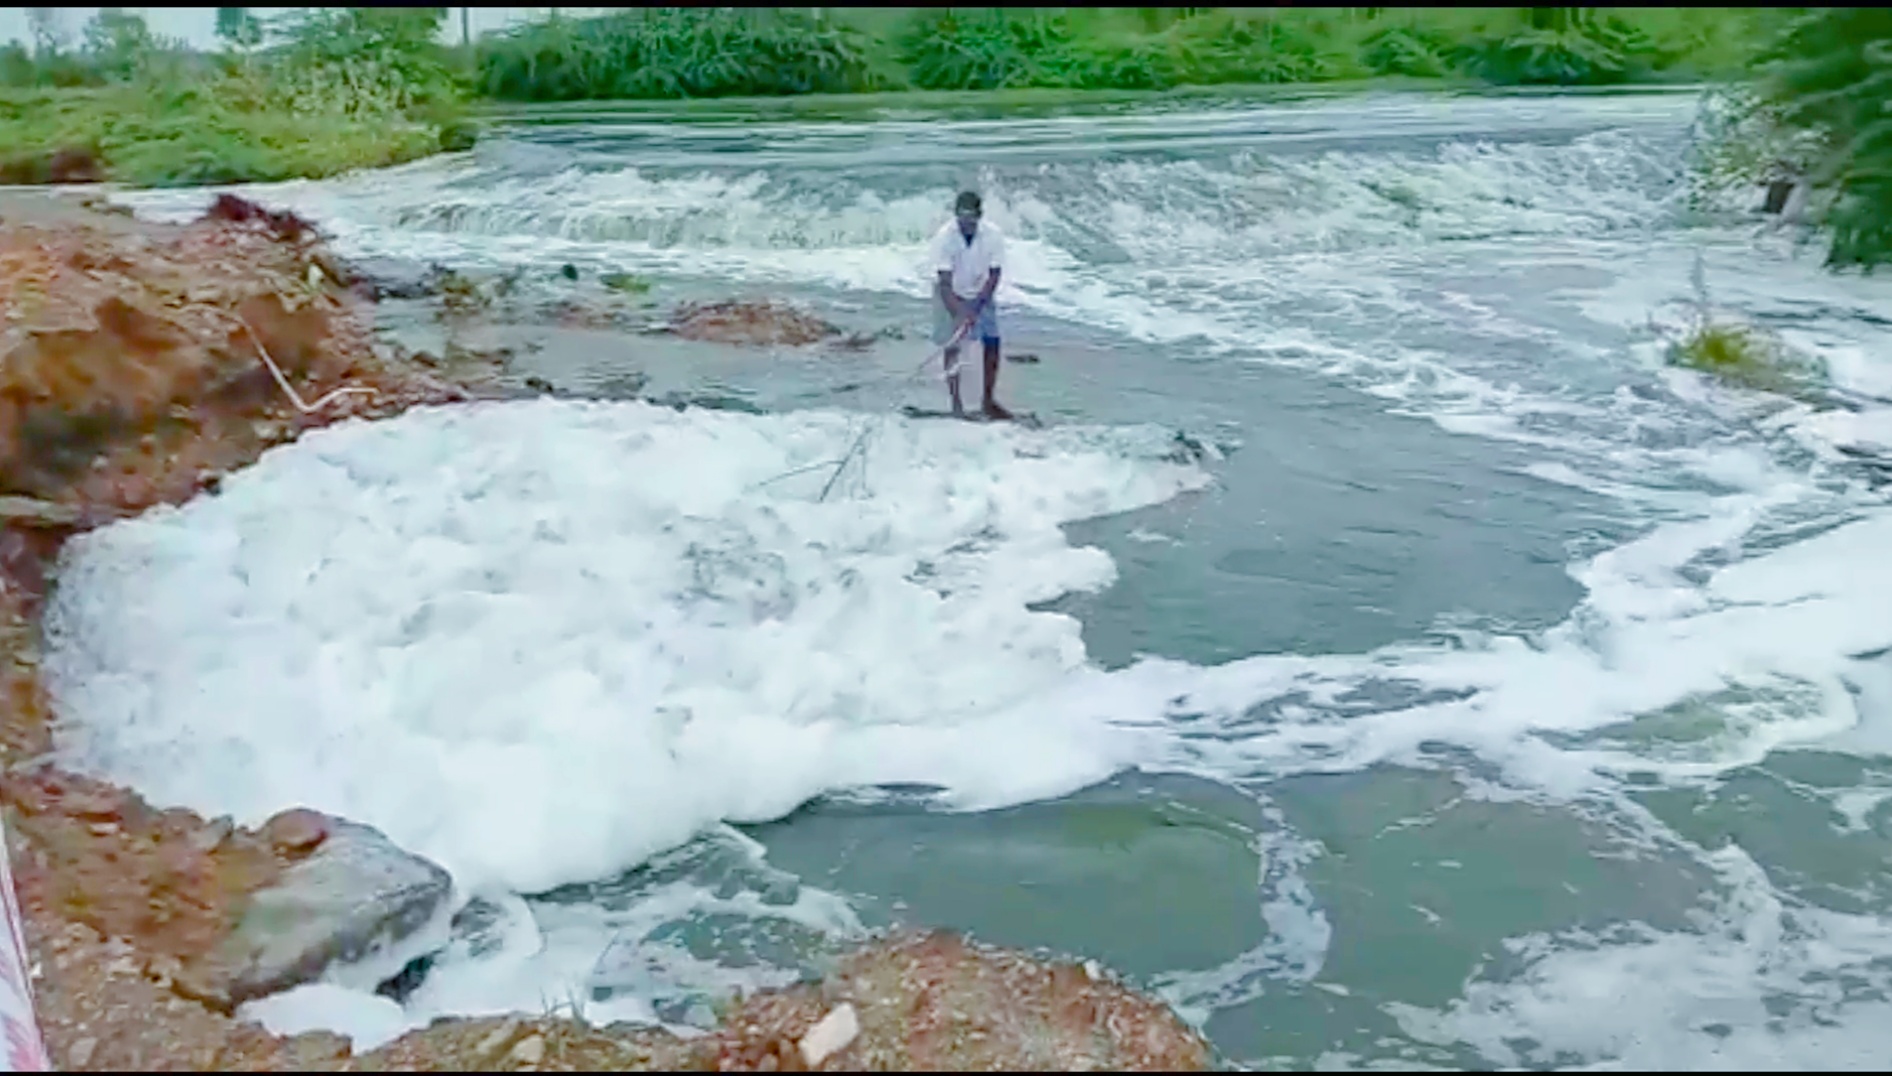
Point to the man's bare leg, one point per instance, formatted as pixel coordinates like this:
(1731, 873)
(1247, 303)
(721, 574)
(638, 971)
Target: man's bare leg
(992, 408)
(952, 381)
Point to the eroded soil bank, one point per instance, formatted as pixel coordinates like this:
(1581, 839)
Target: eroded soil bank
(139, 363)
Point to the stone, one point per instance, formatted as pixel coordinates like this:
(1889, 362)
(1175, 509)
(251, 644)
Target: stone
(316, 1047)
(391, 278)
(79, 1054)
(497, 1039)
(94, 805)
(212, 834)
(354, 894)
(529, 1051)
(33, 512)
(830, 1035)
(296, 832)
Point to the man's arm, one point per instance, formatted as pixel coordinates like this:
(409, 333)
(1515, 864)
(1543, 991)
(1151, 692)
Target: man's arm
(997, 241)
(953, 304)
(991, 285)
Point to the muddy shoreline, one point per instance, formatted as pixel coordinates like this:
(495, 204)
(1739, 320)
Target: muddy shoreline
(140, 363)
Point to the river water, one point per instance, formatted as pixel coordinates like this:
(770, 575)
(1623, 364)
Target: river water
(1483, 692)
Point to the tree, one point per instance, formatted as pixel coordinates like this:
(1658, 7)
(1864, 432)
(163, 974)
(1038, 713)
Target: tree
(48, 28)
(238, 29)
(117, 42)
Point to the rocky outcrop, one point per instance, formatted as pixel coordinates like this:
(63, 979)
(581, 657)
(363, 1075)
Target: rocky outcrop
(133, 357)
(349, 894)
(912, 1002)
(935, 1001)
(225, 914)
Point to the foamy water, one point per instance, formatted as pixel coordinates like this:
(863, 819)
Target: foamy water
(546, 642)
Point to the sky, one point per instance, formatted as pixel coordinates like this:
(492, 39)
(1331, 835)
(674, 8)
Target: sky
(198, 25)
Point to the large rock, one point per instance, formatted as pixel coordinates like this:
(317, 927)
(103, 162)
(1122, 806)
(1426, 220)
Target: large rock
(354, 896)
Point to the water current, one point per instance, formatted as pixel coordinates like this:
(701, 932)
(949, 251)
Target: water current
(1488, 693)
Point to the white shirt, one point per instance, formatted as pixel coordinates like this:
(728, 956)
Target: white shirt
(970, 263)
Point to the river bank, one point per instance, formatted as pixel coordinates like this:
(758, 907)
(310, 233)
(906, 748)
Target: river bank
(144, 365)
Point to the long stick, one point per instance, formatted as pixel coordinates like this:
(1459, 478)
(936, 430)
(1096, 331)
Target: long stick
(867, 428)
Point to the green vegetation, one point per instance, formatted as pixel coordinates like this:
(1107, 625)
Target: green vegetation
(712, 52)
(1817, 114)
(1830, 75)
(1741, 353)
(319, 93)
(678, 52)
(1745, 355)
(327, 90)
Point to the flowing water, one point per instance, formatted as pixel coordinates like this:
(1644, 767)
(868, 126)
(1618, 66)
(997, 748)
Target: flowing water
(1483, 693)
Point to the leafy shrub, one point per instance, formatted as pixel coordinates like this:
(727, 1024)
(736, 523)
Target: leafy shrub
(992, 49)
(1548, 58)
(1399, 50)
(677, 52)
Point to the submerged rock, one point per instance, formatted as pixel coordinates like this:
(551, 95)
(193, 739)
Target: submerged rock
(392, 278)
(746, 322)
(354, 893)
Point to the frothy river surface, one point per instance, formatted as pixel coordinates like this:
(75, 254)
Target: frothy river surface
(1488, 695)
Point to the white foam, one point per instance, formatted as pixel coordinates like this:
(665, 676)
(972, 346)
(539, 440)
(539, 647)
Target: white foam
(1783, 626)
(538, 642)
(367, 1020)
(1762, 984)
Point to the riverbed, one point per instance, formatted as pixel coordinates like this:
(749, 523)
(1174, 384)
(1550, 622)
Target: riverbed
(1380, 652)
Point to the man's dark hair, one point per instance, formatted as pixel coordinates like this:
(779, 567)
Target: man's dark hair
(968, 201)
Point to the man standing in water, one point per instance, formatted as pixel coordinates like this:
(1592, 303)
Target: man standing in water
(967, 255)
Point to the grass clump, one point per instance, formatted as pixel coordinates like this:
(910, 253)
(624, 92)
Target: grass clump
(1740, 353)
(1743, 355)
(626, 283)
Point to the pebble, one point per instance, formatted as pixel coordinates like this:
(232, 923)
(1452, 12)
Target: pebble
(530, 1051)
(830, 1035)
(296, 831)
(80, 1054)
(212, 834)
(498, 1038)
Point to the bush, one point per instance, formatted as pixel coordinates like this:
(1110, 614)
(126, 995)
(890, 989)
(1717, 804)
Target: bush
(1400, 50)
(676, 53)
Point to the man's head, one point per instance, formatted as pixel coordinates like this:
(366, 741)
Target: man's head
(966, 210)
